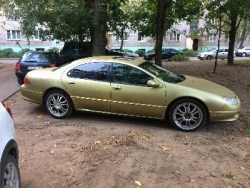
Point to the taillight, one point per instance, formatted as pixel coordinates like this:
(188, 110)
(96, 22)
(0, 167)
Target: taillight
(26, 81)
(18, 67)
(7, 108)
(53, 65)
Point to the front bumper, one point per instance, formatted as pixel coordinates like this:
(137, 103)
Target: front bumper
(224, 115)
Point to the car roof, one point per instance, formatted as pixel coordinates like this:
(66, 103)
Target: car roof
(126, 60)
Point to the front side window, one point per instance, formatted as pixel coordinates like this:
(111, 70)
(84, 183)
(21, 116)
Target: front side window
(162, 73)
(13, 34)
(125, 74)
(97, 71)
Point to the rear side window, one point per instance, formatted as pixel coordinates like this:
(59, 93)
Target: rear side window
(36, 57)
(97, 71)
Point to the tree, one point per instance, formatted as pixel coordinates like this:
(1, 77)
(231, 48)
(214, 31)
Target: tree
(234, 13)
(157, 16)
(67, 20)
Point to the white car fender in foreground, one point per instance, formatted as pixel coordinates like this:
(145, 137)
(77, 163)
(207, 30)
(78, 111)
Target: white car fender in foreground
(7, 133)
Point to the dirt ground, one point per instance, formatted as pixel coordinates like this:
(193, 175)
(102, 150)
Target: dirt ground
(92, 150)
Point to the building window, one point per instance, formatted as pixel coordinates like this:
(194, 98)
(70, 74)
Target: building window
(213, 21)
(38, 35)
(13, 35)
(125, 36)
(174, 36)
(212, 38)
(12, 15)
(141, 37)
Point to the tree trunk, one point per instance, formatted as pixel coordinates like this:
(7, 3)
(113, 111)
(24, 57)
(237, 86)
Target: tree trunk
(232, 35)
(218, 44)
(99, 30)
(243, 34)
(162, 7)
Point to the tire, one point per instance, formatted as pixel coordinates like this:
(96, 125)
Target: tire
(58, 104)
(244, 55)
(187, 115)
(209, 57)
(10, 176)
(20, 81)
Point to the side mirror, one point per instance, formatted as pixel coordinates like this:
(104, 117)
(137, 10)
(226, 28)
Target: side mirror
(153, 83)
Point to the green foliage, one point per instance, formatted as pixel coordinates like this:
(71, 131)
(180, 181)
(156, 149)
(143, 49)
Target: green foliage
(151, 51)
(189, 53)
(9, 53)
(54, 49)
(179, 57)
(140, 52)
(128, 50)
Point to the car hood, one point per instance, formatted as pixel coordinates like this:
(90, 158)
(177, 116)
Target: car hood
(207, 86)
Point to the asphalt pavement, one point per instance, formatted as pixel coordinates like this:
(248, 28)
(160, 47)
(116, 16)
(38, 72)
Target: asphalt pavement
(8, 82)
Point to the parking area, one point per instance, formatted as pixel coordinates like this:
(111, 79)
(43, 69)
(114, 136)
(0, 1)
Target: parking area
(93, 150)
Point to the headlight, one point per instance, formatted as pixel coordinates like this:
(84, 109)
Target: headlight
(231, 101)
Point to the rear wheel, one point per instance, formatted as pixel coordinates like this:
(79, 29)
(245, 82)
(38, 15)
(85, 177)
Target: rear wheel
(10, 176)
(58, 104)
(187, 115)
(20, 81)
(209, 57)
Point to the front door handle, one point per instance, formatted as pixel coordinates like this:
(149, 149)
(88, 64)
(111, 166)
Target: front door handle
(116, 87)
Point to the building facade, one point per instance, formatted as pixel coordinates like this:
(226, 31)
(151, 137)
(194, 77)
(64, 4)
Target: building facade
(177, 37)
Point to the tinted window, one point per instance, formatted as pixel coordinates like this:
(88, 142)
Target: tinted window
(125, 74)
(92, 71)
(36, 56)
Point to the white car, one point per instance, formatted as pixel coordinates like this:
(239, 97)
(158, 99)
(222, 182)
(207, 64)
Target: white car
(211, 54)
(243, 52)
(9, 171)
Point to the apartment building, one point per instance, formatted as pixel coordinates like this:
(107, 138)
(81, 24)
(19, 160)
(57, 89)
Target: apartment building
(178, 36)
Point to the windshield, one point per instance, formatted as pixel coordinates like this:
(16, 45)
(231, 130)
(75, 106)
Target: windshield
(162, 73)
(212, 50)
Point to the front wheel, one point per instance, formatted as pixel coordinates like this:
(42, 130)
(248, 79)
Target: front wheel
(11, 173)
(58, 104)
(187, 115)
(209, 57)
(244, 55)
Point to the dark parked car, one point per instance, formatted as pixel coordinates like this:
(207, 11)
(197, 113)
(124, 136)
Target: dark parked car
(76, 50)
(32, 60)
(167, 53)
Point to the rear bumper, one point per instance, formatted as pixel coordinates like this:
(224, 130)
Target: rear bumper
(224, 115)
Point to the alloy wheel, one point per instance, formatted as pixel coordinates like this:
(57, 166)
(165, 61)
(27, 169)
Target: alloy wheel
(11, 176)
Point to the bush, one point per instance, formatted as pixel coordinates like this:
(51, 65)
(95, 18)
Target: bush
(128, 50)
(151, 51)
(54, 49)
(179, 57)
(189, 53)
(140, 52)
(8, 52)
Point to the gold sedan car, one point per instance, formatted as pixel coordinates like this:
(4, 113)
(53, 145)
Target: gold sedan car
(130, 87)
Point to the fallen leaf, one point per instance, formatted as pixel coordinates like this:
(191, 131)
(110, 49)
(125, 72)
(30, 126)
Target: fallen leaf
(138, 183)
(213, 174)
(166, 148)
(40, 116)
(98, 142)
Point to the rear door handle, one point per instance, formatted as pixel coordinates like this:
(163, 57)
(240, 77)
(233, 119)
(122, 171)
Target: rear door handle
(116, 87)
(71, 82)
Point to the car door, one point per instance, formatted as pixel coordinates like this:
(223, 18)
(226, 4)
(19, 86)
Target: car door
(88, 84)
(222, 54)
(131, 95)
